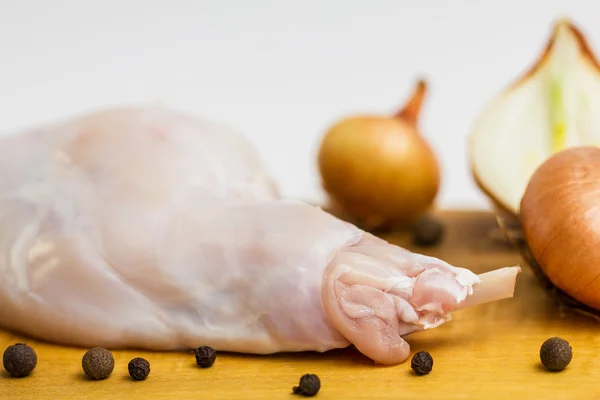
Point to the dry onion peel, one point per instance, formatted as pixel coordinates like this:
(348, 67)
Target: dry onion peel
(377, 169)
(564, 302)
(560, 214)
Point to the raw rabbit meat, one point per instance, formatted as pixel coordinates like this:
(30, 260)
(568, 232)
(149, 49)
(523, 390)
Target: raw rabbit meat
(148, 228)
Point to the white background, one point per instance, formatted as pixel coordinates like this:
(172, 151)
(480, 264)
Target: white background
(280, 72)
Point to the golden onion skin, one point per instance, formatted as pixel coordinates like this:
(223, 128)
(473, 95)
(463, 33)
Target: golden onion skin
(560, 216)
(378, 169)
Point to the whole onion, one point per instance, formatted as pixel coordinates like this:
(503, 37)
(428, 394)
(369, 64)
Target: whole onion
(378, 169)
(560, 217)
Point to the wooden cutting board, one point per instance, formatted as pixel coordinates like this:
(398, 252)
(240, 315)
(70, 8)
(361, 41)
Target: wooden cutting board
(490, 351)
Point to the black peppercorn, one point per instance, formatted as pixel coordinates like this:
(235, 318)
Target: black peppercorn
(98, 363)
(309, 385)
(422, 363)
(556, 354)
(19, 360)
(205, 356)
(139, 369)
(427, 231)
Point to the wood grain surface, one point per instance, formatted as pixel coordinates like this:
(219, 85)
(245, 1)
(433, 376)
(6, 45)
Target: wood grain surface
(490, 351)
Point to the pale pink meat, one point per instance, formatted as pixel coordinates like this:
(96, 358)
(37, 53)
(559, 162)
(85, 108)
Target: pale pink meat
(146, 228)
